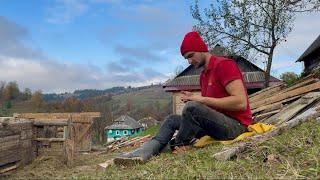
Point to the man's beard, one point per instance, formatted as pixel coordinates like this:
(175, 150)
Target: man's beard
(200, 64)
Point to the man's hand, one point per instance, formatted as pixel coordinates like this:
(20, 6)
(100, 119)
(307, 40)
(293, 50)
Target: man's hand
(189, 96)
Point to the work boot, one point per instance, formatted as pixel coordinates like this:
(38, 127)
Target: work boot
(140, 155)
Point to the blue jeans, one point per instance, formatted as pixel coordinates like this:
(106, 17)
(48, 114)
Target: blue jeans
(196, 121)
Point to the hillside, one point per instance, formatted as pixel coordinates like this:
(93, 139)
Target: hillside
(294, 154)
(136, 98)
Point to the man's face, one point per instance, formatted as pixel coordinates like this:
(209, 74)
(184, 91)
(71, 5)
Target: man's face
(195, 58)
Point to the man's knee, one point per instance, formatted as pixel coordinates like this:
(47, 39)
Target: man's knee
(190, 106)
(172, 120)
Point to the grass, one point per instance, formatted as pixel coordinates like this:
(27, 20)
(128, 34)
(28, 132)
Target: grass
(152, 131)
(292, 155)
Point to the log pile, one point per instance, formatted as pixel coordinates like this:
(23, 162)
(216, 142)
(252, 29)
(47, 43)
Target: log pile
(282, 106)
(124, 143)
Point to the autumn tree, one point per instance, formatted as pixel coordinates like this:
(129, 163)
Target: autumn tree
(37, 99)
(72, 105)
(11, 91)
(249, 26)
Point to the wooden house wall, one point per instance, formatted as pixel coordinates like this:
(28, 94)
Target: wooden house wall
(16, 142)
(312, 62)
(177, 103)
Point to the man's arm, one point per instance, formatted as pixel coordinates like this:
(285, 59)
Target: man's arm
(237, 101)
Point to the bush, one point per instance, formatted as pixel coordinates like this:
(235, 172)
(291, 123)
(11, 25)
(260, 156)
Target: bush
(289, 78)
(7, 104)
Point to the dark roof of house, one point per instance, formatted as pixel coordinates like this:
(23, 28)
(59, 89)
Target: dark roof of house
(190, 76)
(314, 46)
(125, 122)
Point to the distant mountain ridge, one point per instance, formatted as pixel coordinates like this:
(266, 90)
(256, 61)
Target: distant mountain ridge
(89, 93)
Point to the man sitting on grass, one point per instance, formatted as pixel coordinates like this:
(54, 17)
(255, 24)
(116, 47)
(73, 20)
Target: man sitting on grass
(221, 111)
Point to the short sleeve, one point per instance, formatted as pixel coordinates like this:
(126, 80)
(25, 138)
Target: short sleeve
(228, 71)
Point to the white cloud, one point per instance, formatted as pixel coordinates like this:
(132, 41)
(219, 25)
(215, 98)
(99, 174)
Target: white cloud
(305, 31)
(51, 76)
(64, 11)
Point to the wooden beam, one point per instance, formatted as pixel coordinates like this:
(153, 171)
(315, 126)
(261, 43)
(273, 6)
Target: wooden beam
(50, 122)
(264, 115)
(286, 95)
(7, 169)
(51, 139)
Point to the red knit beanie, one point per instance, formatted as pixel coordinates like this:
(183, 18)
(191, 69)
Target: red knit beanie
(193, 42)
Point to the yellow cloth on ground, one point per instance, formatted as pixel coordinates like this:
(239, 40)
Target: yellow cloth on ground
(253, 129)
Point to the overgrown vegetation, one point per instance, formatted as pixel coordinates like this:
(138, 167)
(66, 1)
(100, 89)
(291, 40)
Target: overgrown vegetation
(294, 154)
(289, 78)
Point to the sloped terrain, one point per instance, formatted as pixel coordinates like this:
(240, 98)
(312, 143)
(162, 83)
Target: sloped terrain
(293, 154)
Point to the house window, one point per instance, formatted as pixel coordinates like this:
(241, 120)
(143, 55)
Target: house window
(117, 132)
(110, 131)
(125, 132)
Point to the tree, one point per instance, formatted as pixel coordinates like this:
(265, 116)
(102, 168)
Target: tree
(26, 95)
(250, 26)
(289, 78)
(72, 105)
(11, 91)
(37, 99)
(2, 86)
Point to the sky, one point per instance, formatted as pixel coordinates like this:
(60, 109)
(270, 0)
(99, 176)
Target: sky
(63, 45)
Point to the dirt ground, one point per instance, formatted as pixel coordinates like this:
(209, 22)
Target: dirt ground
(53, 167)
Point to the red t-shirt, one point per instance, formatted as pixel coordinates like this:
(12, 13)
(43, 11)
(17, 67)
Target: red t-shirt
(213, 81)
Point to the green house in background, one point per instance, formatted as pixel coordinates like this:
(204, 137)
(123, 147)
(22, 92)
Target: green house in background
(123, 126)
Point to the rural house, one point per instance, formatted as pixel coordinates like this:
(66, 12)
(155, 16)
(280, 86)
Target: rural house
(311, 57)
(188, 79)
(148, 122)
(123, 126)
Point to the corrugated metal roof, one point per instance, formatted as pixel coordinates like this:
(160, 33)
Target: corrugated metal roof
(314, 46)
(125, 122)
(193, 80)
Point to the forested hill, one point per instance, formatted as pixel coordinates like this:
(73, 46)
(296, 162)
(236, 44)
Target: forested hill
(89, 93)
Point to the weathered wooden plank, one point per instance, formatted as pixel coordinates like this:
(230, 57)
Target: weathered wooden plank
(279, 90)
(273, 106)
(9, 168)
(105, 165)
(9, 138)
(293, 109)
(13, 150)
(286, 95)
(265, 94)
(69, 152)
(9, 156)
(303, 83)
(264, 115)
(51, 139)
(9, 145)
(50, 122)
(264, 90)
(58, 115)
